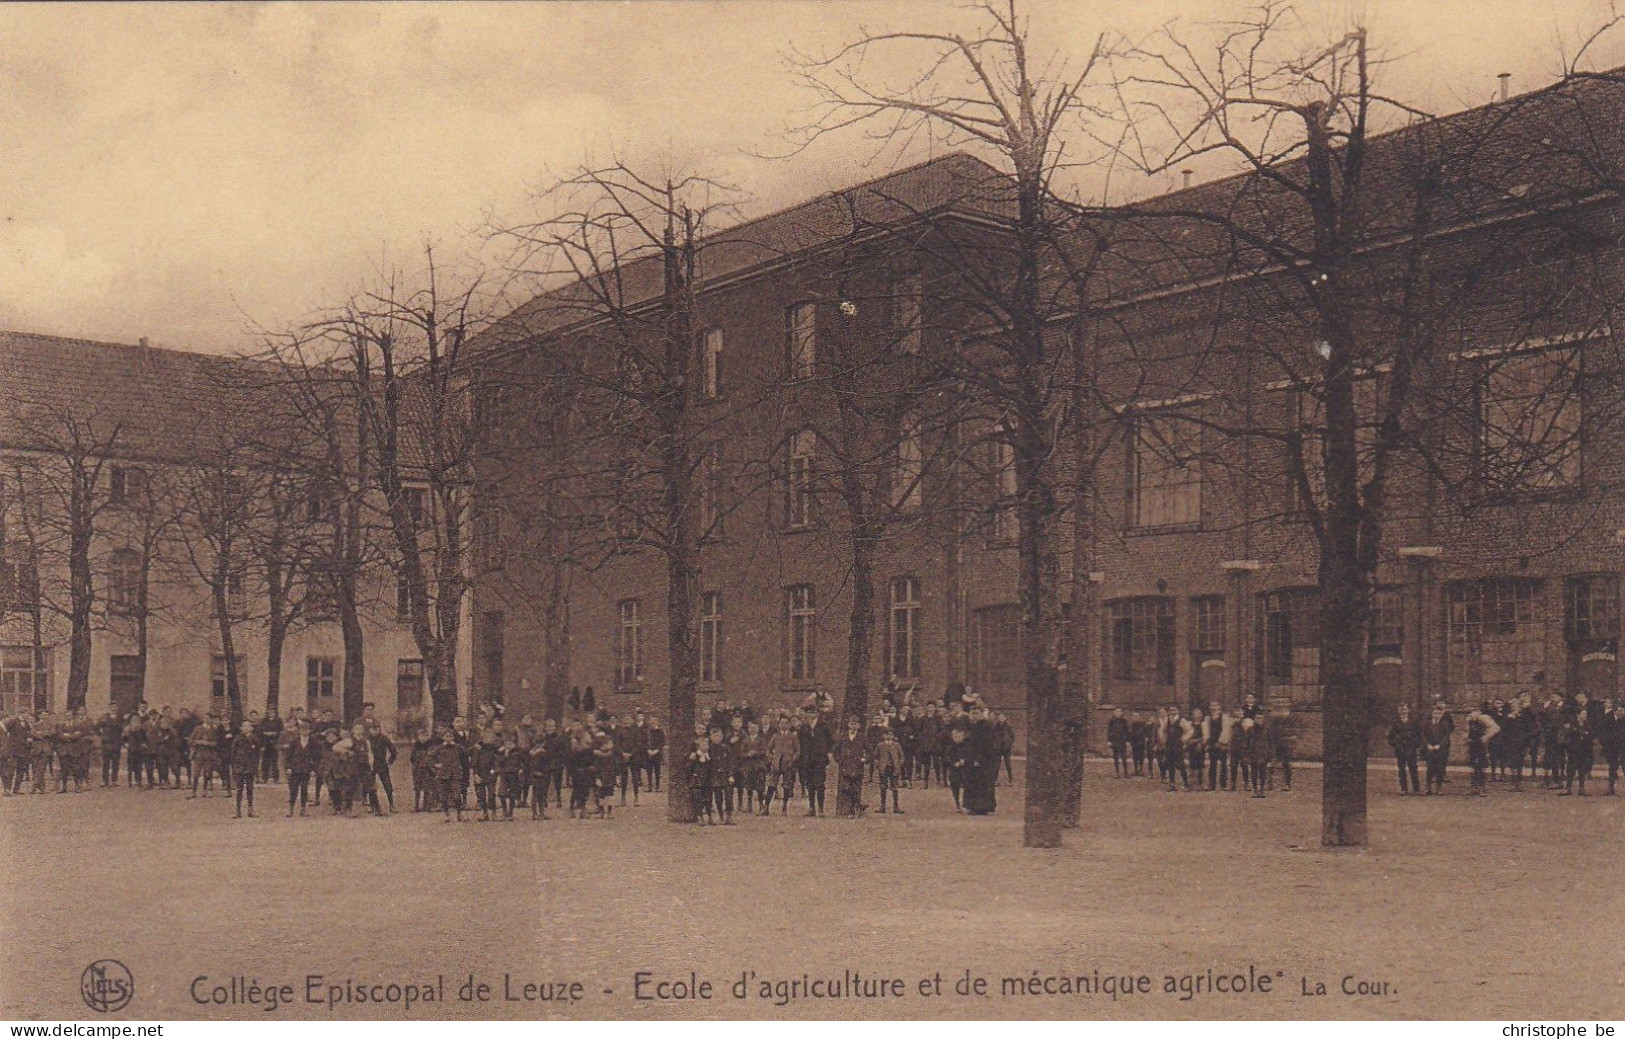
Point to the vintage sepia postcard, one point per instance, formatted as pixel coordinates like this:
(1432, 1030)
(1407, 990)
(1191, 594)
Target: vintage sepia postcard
(862, 511)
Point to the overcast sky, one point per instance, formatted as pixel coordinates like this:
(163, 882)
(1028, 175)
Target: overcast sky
(185, 172)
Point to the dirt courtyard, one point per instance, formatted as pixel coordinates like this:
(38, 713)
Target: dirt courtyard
(1187, 905)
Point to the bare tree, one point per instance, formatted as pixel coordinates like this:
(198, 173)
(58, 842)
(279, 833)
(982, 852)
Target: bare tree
(287, 549)
(988, 89)
(397, 413)
(61, 483)
(143, 521)
(219, 495)
(1340, 291)
(876, 410)
(630, 244)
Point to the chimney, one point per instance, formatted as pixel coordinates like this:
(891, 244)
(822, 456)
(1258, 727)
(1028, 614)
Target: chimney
(1187, 175)
(1506, 82)
(143, 342)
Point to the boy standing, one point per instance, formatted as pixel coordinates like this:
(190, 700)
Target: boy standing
(850, 758)
(889, 763)
(445, 765)
(245, 766)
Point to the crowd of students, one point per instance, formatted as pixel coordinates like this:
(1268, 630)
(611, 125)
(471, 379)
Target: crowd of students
(1219, 749)
(1558, 739)
(743, 763)
(491, 767)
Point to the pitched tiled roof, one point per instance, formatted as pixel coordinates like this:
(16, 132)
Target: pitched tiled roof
(956, 182)
(1541, 150)
(164, 404)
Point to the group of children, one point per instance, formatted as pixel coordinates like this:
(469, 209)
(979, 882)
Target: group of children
(191, 751)
(512, 767)
(1560, 737)
(1233, 749)
(743, 763)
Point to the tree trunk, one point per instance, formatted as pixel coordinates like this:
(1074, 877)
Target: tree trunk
(1039, 569)
(1081, 658)
(680, 515)
(556, 632)
(222, 617)
(274, 642)
(860, 638)
(1344, 605)
(81, 602)
(355, 663)
(440, 669)
(141, 638)
(1345, 717)
(1039, 573)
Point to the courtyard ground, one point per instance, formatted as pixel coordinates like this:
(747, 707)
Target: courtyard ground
(1510, 907)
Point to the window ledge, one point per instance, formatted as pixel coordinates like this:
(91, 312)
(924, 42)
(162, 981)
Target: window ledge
(1504, 499)
(1176, 528)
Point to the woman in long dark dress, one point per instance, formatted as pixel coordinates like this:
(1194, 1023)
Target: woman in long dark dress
(982, 766)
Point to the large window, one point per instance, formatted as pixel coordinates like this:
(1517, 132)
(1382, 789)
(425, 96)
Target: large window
(417, 505)
(127, 485)
(1591, 611)
(711, 638)
(403, 599)
(1387, 619)
(713, 483)
(628, 643)
(711, 364)
(1002, 472)
(1289, 624)
(321, 595)
(801, 643)
(1530, 418)
(320, 505)
(236, 595)
(219, 687)
(1140, 645)
(1494, 637)
(1166, 472)
(1310, 414)
(907, 305)
(494, 642)
(25, 680)
(489, 551)
(321, 682)
(903, 657)
(124, 581)
(408, 685)
(126, 680)
(802, 337)
(996, 645)
(19, 584)
(908, 474)
(1207, 624)
(798, 491)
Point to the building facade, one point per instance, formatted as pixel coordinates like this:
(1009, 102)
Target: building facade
(128, 427)
(1499, 567)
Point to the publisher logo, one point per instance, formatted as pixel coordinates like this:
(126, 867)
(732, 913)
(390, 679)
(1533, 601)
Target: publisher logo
(107, 986)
